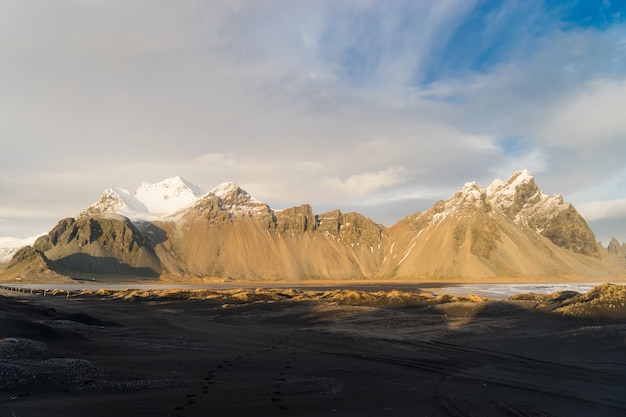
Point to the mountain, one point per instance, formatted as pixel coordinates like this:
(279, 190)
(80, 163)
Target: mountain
(172, 231)
(509, 229)
(614, 253)
(10, 245)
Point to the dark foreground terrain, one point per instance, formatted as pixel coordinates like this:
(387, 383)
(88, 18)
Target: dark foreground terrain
(287, 353)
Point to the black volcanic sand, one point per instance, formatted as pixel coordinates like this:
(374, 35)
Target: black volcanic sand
(95, 355)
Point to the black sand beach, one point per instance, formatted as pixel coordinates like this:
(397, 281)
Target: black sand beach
(275, 353)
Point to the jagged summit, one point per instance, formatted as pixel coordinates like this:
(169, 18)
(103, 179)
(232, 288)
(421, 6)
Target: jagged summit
(519, 192)
(226, 188)
(231, 194)
(225, 201)
(519, 198)
(470, 193)
(511, 196)
(508, 187)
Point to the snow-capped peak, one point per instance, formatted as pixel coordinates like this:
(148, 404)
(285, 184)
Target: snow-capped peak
(470, 195)
(509, 187)
(225, 188)
(149, 201)
(231, 194)
(518, 193)
(472, 187)
(470, 192)
(167, 196)
(174, 186)
(521, 186)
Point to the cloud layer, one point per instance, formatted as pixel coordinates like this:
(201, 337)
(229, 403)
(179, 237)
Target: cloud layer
(377, 106)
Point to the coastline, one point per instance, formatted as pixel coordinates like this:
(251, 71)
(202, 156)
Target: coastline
(494, 290)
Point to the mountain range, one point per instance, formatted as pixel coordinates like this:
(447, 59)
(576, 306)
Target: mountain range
(172, 230)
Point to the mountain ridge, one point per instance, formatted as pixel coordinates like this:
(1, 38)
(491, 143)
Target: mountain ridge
(508, 230)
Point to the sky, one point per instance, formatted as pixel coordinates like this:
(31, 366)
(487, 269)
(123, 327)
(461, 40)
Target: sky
(381, 107)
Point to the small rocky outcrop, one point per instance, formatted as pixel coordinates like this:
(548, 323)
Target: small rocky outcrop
(617, 249)
(351, 228)
(295, 221)
(614, 253)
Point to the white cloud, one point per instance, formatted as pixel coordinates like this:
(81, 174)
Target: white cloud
(23, 213)
(534, 161)
(369, 182)
(598, 210)
(589, 118)
(111, 93)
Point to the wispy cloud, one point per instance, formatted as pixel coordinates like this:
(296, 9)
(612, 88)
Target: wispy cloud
(591, 117)
(379, 99)
(598, 210)
(368, 182)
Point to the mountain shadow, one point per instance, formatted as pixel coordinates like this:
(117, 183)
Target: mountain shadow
(78, 263)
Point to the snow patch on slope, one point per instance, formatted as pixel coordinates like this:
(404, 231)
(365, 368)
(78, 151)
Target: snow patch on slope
(10, 245)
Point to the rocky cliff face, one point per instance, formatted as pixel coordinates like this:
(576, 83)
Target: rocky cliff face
(106, 244)
(229, 234)
(521, 200)
(509, 230)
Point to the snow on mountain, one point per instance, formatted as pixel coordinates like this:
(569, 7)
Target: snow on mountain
(149, 201)
(521, 200)
(10, 245)
(231, 195)
(509, 187)
(507, 230)
(167, 196)
(519, 192)
(518, 198)
(227, 189)
(227, 198)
